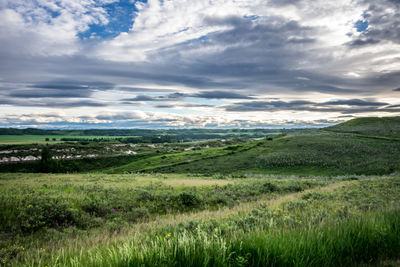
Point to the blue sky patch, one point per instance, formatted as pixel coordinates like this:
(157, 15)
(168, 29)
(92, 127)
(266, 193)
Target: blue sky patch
(52, 13)
(120, 15)
(361, 25)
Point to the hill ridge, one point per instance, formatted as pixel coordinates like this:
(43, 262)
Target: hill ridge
(380, 126)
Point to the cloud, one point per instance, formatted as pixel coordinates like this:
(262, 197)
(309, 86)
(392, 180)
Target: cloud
(180, 96)
(62, 90)
(382, 16)
(354, 102)
(363, 42)
(184, 105)
(46, 28)
(142, 90)
(220, 95)
(340, 106)
(42, 93)
(268, 106)
(121, 116)
(73, 85)
(285, 58)
(169, 97)
(51, 103)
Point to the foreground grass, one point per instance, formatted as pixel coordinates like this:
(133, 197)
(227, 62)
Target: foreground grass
(43, 207)
(87, 201)
(347, 223)
(344, 243)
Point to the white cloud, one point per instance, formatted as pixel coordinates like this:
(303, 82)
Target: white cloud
(163, 24)
(47, 28)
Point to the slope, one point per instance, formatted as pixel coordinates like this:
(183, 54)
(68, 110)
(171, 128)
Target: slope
(313, 152)
(175, 159)
(386, 126)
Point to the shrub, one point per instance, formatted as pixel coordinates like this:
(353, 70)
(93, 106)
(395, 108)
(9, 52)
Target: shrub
(188, 199)
(40, 212)
(268, 187)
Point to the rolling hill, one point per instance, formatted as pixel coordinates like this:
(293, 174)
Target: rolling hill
(386, 126)
(359, 146)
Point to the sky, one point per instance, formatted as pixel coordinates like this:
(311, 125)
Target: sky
(197, 64)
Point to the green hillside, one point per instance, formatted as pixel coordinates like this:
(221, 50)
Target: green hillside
(313, 152)
(174, 159)
(386, 126)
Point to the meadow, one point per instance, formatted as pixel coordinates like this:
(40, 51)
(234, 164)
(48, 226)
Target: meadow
(308, 152)
(317, 152)
(322, 197)
(176, 220)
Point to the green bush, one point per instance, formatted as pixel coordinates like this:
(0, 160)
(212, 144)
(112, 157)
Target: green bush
(188, 199)
(40, 212)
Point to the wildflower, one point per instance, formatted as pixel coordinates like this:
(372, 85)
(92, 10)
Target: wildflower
(168, 236)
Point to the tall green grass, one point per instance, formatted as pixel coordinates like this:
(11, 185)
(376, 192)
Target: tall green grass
(358, 222)
(30, 204)
(368, 238)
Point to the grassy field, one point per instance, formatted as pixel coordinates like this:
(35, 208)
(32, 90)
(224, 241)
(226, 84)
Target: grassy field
(312, 152)
(176, 220)
(93, 200)
(167, 160)
(386, 126)
(316, 152)
(89, 156)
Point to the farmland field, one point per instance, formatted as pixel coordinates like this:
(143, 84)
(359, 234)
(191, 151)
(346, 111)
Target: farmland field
(322, 197)
(43, 139)
(35, 136)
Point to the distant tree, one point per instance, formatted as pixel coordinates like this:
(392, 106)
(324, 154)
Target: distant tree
(45, 154)
(47, 139)
(54, 139)
(45, 161)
